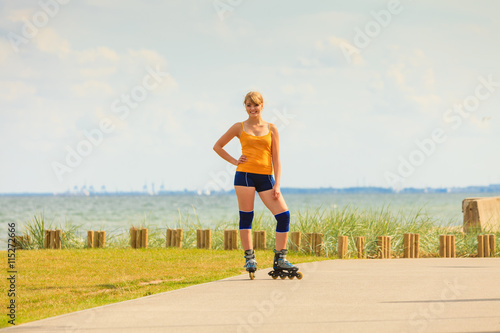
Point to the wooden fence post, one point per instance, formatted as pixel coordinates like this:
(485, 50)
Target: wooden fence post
(144, 238)
(342, 247)
(102, 239)
(384, 245)
(133, 237)
(295, 241)
(46, 239)
(90, 239)
(259, 240)
(360, 246)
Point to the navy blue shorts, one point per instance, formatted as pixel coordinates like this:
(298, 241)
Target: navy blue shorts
(260, 182)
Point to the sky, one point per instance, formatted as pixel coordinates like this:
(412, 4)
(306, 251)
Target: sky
(366, 93)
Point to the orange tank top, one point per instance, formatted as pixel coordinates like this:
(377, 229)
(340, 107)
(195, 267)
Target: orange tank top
(257, 149)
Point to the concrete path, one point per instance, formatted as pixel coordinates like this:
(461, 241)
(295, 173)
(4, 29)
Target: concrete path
(394, 295)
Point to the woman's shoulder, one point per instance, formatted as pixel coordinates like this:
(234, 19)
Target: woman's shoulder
(236, 128)
(273, 127)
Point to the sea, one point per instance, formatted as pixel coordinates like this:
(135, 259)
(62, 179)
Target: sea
(117, 213)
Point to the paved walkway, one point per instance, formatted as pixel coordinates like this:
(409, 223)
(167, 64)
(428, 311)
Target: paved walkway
(395, 295)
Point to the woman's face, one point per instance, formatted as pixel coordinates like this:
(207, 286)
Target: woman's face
(253, 110)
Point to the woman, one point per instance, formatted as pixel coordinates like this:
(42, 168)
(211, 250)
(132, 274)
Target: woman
(260, 154)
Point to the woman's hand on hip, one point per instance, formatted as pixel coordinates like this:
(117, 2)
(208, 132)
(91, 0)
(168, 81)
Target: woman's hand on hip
(242, 159)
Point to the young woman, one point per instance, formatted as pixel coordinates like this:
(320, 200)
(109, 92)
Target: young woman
(260, 155)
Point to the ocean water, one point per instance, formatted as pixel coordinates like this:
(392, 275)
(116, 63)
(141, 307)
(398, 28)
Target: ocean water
(119, 212)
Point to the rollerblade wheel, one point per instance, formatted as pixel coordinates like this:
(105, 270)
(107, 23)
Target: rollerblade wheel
(290, 277)
(275, 277)
(299, 275)
(252, 276)
(283, 277)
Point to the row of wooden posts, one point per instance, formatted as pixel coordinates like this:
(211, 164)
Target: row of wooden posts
(308, 242)
(313, 243)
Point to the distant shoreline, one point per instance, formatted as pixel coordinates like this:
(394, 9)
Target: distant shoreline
(494, 188)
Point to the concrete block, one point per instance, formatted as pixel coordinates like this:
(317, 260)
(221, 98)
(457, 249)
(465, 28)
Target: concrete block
(481, 214)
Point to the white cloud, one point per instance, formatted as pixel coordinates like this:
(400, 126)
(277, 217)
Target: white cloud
(49, 41)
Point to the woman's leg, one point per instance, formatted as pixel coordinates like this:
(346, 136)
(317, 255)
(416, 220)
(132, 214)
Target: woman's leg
(246, 199)
(276, 206)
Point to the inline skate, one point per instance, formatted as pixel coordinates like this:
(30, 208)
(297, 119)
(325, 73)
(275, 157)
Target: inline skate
(251, 263)
(282, 268)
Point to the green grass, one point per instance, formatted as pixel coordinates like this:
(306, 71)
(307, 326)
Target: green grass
(54, 282)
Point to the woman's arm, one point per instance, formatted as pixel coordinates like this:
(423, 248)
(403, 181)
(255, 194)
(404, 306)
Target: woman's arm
(275, 155)
(224, 139)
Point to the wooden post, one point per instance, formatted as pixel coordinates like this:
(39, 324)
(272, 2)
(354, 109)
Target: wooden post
(384, 247)
(486, 242)
(178, 238)
(144, 238)
(95, 240)
(102, 238)
(58, 239)
(342, 247)
(138, 238)
(307, 243)
(235, 239)
(453, 253)
(485, 245)
(442, 246)
(449, 246)
(410, 245)
(52, 239)
(492, 244)
(259, 240)
(480, 246)
(360, 246)
(416, 245)
(230, 239)
(318, 244)
(90, 239)
(208, 239)
(380, 245)
(407, 246)
(168, 236)
(295, 241)
(388, 247)
(46, 239)
(133, 237)
(172, 238)
(204, 239)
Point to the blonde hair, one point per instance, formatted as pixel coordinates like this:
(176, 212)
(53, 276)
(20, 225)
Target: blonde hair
(254, 97)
